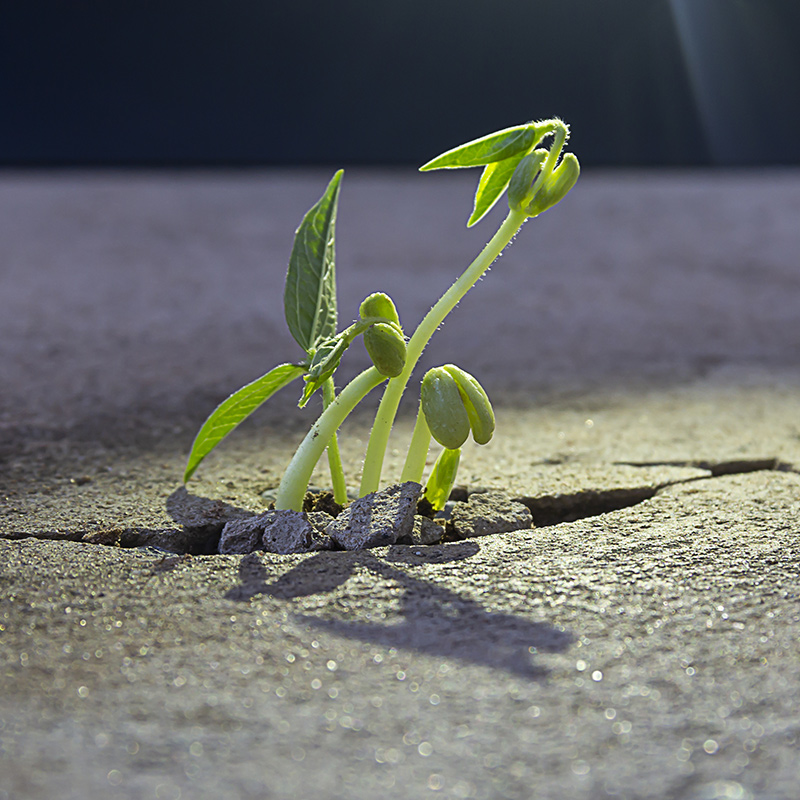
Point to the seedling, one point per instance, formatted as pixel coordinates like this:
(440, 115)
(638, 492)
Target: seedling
(452, 404)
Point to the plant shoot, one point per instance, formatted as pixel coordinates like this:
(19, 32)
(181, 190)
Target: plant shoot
(453, 405)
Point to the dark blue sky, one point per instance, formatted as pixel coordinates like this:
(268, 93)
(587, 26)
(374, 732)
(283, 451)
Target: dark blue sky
(642, 82)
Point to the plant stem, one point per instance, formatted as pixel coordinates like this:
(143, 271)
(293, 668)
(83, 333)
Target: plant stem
(417, 450)
(334, 458)
(559, 138)
(384, 419)
(295, 480)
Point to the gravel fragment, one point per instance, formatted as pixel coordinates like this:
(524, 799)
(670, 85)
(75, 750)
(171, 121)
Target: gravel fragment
(276, 532)
(242, 535)
(292, 532)
(424, 532)
(377, 519)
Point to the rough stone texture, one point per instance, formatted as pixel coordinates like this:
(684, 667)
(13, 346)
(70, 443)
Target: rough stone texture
(635, 340)
(319, 519)
(377, 519)
(424, 532)
(242, 535)
(489, 512)
(291, 532)
(276, 532)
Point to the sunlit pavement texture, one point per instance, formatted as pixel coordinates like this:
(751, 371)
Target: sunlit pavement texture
(641, 343)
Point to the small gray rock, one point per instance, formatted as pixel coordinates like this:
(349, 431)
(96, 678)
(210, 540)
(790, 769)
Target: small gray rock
(425, 531)
(489, 512)
(242, 535)
(377, 519)
(276, 532)
(292, 532)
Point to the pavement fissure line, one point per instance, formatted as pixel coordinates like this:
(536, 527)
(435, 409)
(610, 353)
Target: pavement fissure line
(739, 466)
(548, 510)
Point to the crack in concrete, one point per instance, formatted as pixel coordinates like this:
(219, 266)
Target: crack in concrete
(548, 510)
(738, 466)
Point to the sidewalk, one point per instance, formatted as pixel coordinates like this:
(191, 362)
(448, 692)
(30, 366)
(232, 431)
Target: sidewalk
(640, 345)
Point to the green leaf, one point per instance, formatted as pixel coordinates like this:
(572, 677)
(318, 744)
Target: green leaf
(442, 479)
(235, 409)
(493, 182)
(488, 149)
(325, 362)
(309, 298)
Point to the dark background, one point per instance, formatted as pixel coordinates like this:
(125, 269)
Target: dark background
(149, 82)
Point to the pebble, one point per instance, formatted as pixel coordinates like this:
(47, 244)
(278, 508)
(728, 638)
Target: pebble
(378, 519)
(280, 532)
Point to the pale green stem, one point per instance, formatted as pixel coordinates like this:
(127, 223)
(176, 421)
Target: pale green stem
(334, 458)
(559, 137)
(379, 438)
(295, 480)
(417, 450)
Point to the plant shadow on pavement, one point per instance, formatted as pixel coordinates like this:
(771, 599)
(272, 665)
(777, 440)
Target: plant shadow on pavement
(435, 621)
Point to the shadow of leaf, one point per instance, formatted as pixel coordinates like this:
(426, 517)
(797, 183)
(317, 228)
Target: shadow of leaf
(318, 574)
(434, 620)
(202, 517)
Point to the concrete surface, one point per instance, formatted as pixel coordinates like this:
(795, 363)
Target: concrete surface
(640, 344)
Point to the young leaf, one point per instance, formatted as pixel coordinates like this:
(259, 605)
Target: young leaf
(325, 362)
(493, 182)
(488, 149)
(235, 409)
(309, 298)
(443, 476)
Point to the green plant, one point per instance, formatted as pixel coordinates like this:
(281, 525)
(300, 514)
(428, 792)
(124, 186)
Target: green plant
(453, 404)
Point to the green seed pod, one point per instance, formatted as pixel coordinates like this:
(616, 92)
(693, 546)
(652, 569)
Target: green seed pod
(379, 305)
(562, 179)
(386, 347)
(476, 402)
(444, 409)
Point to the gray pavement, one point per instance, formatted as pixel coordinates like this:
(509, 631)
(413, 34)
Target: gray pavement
(640, 343)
